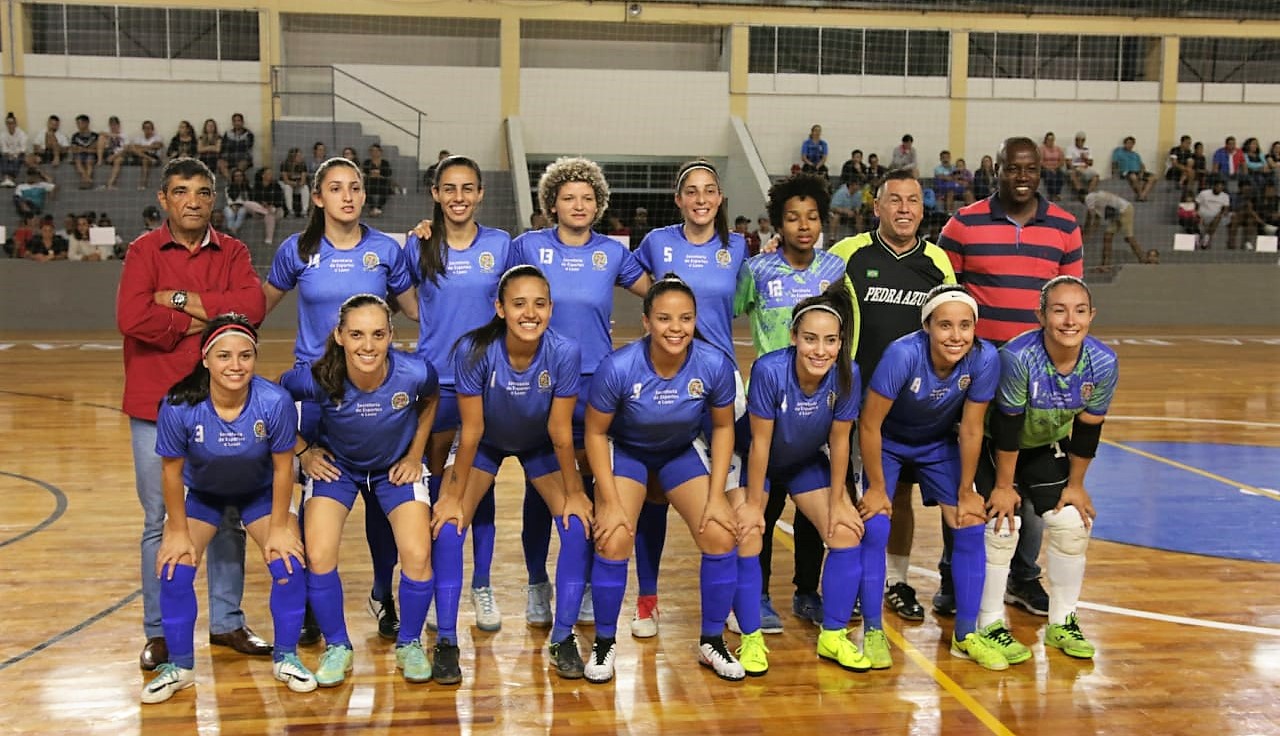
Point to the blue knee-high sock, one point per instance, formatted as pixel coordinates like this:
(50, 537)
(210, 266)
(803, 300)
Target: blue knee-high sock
(651, 537)
(446, 558)
(178, 614)
(589, 487)
(717, 578)
(288, 605)
(608, 586)
(415, 599)
(746, 598)
(535, 536)
(382, 545)
(325, 594)
(968, 572)
(484, 533)
(875, 539)
(840, 575)
(571, 569)
(433, 487)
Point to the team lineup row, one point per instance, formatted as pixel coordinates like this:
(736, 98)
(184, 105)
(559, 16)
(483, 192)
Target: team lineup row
(659, 413)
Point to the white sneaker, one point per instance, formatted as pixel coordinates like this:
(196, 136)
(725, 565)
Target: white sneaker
(599, 667)
(171, 678)
(587, 611)
(715, 654)
(7, 183)
(645, 623)
(488, 617)
(292, 672)
(538, 610)
(732, 623)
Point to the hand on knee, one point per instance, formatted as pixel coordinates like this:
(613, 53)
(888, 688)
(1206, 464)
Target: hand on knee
(1068, 535)
(716, 540)
(1003, 544)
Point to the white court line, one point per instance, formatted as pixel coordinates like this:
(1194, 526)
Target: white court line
(1190, 420)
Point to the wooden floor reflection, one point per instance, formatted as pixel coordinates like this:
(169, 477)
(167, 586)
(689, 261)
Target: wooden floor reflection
(70, 612)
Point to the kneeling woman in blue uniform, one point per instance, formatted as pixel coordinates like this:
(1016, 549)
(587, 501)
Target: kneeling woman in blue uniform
(227, 436)
(645, 410)
(514, 377)
(377, 406)
(925, 382)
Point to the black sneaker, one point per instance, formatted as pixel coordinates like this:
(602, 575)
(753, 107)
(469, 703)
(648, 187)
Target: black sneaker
(385, 611)
(1028, 594)
(944, 601)
(902, 600)
(567, 658)
(310, 632)
(444, 666)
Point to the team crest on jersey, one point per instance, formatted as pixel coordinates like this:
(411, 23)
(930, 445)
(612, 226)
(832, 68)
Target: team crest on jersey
(544, 380)
(964, 382)
(399, 400)
(1086, 390)
(260, 429)
(724, 258)
(831, 400)
(822, 285)
(486, 262)
(696, 389)
(370, 261)
(599, 260)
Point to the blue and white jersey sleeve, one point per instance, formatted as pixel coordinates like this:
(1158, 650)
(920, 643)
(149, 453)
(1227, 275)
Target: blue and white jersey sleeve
(1103, 373)
(171, 430)
(764, 392)
(301, 384)
(286, 265)
(895, 369)
(470, 375)
(566, 366)
(984, 371)
(848, 403)
(801, 422)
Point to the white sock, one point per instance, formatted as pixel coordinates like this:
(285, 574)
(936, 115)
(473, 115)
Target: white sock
(1066, 577)
(895, 569)
(992, 607)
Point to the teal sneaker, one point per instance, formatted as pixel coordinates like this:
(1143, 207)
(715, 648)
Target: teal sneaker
(335, 663)
(1069, 638)
(169, 679)
(413, 661)
(875, 644)
(1013, 651)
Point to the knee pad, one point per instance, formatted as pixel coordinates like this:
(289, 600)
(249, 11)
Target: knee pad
(1067, 533)
(1003, 544)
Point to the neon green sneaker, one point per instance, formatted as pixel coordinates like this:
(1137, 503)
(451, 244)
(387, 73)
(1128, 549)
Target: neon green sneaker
(1010, 648)
(980, 650)
(753, 654)
(834, 646)
(1069, 638)
(876, 646)
(335, 663)
(413, 661)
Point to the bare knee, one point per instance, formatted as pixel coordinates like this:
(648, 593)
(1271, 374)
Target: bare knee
(715, 540)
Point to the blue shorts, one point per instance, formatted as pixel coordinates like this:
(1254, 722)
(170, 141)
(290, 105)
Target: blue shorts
(671, 468)
(580, 414)
(348, 485)
(209, 507)
(447, 417)
(537, 462)
(802, 477)
(936, 467)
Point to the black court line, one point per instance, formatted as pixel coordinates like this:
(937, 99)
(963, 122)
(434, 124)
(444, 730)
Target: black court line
(95, 618)
(59, 509)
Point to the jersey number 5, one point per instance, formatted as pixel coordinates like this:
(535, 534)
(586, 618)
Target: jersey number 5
(666, 254)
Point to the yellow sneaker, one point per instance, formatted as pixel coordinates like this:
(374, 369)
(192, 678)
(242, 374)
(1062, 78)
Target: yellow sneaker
(980, 650)
(753, 654)
(1000, 637)
(834, 646)
(876, 646)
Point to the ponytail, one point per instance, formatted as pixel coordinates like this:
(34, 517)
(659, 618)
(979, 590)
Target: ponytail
(194, 387)
(836, 300)
(479, 339)
(309, 238)
(433, 256)
(330, 371)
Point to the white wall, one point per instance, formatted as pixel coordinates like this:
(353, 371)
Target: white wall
(1105, 123)
(1212, 123)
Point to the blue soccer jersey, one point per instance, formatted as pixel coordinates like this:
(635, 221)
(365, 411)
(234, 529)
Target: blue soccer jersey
(1030, 383)
(463, 297)
(711, 270)
(229, 458)
(582, 280)
(517, 404)
(925, 407)
(801, 422)
(376, 265)
(656, 414)
(369, 432)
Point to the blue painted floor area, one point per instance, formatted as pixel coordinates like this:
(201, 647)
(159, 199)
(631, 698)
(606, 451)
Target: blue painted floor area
(1153, 504)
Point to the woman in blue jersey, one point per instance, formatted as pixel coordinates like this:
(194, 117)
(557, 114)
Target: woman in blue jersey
(926, 382)
(227, 436)
(582, 268)
(708, 255)
(377, 405)
(1056, 385)
(333, 258)
(647, 405)
(513, 377)
(458, 263)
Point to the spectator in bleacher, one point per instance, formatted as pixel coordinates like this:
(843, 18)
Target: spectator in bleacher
(209, 144)
(53, 144)
(1213, 206)
(293, 180)
(948, 185)
(1053, 172)
(31, 196)
(742, 226)
(1273, 164)
(84, 151)
(14, 147)
(904, 156)
(964, 179)
(1080, 159)
(1181, 164)
(111, 143)
(429, 178)
(117, 247)
(1255, 164)
(47, 245)
(1269, 210)
(539, 221)
(875, 173)
(640, 226)
(81, 247)
(1200, 165)
(614, 226)
(144, 149)
(151, 219)
(1228, 162)
(846, 211)
(350, 154)
(813, 152)
(1116, 213)
(183, 143)
(854, 171)
(240, 202)
(1244, 214)
(1188, 219)
(377, 180)
(984, 179)
(237, 148)
(268, 195)
(764, 228)
(1128, 164)
(15, 246)
(319, 154)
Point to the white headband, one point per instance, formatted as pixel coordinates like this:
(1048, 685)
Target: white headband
(695, 167)
(951, 295)
(824, 307)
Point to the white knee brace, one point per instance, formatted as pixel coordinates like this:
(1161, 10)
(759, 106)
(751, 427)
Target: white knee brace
(1002, 545)
(1068, 536)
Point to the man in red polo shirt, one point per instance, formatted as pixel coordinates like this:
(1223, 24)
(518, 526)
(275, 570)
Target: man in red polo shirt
(175, 279)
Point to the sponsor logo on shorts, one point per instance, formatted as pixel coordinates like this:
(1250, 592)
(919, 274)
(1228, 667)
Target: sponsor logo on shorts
(486, 262)
(599, 260)
(370, 261)
(260, 429)
(399, 400)
(696, 389)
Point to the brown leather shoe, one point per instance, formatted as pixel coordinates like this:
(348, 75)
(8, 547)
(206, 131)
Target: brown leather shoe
(154, 654)
(242, 640)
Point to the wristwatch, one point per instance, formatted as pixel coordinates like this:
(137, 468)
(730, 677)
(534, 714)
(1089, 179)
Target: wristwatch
(178, 300)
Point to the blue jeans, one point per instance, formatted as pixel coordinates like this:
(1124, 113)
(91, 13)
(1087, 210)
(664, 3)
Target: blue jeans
(224, 558)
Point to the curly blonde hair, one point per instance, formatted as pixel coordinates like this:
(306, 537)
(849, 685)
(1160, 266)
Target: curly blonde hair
(567, 169)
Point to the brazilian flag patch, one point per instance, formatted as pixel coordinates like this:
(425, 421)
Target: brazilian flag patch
(873, 273)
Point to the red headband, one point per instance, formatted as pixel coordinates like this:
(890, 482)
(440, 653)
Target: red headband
(225, 330)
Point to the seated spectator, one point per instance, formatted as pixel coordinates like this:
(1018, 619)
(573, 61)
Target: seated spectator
(613, 226)
(144, 149)
(111, 143)
(14, 147)
(1244, 215)
(764, 229)
(183, 144)
(269, 197)
(1128, 164)
(31, 196)
(47, 245)
(640, 226)
(742, 226)
(377, 180)
(350, 154)
(81, 247)
(1117, 213)
(239, 204)
(16, 244)
(854, 171)
(151, 219)
(1213, 206)
(846, 211)
(1181, 164)
(984, 179)
(1153, 257)
(116, 248)
(237, 148)
(904, 156)
(1188, 218)
(1255, 164)
(1200, 164)
(813, 152)
(84, 151)
(209, 145)
(68, 225)
(1053, 167)
(293, 180)
(429, 178)
(875, 173)
(1080, 160)
(964, 178)
(947, 185)
(319, 154)
(53, 145)
(539, 221)
(1228, 162)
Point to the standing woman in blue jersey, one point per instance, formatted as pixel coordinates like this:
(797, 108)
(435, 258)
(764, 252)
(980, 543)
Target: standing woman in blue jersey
(227, 435)
(582, 267)
(377, 406)
(925, 383)
(457, 270)
(802, 402)
(513, 378)
(334, 258)
(704, 252)
(647, 405)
